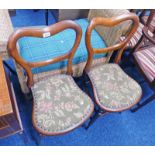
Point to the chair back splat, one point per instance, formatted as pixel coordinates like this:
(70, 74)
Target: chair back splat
(109, 22)
(41, 33)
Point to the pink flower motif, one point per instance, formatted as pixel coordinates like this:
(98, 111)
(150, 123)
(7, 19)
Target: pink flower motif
(68, 106)
(44, 107)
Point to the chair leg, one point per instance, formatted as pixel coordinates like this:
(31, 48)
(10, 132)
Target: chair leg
(143, 104)
(92, 120)
(96, 115)
(86, 81)
(22, 79)
(24, 137)
(36, 137)
(28, 96)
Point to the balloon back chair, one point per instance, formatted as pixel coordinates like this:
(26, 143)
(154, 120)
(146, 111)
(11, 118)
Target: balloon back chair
(113, 90)
(59, 105)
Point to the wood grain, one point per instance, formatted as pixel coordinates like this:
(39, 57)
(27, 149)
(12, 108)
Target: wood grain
(5, 101)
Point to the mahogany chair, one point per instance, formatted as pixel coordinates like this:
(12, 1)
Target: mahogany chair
(113, 89)
(145, 60)
(59, 105)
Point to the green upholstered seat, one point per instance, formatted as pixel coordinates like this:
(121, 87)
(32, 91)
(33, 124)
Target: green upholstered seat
(114, 89)
(59, 105)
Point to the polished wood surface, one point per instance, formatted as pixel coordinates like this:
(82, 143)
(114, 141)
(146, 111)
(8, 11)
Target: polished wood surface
(109, 22)
(5, 102)
(44, 32)
(10, 122)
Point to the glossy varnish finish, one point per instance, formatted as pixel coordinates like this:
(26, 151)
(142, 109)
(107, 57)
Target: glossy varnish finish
(41, 33)
(117, 47)
(45, 32)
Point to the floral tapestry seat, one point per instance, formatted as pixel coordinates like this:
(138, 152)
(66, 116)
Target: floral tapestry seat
(114, 90)
(59, 105)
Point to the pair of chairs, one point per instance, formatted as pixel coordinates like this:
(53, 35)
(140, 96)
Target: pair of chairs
(101, 37)
(59, 105)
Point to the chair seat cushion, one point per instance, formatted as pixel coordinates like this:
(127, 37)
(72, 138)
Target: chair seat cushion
(114, 90)
(146, 61)
(134, 40)
(59, 105)
(34, 49)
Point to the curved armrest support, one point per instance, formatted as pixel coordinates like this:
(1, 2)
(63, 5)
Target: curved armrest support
(109, 22)
(41, 33)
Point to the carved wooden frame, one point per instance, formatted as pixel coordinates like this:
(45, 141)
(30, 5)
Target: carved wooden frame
(118, 46)
(43, 32)
(109, 22)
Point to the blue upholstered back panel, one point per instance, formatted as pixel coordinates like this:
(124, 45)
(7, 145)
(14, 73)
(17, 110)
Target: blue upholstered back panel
(39, 49)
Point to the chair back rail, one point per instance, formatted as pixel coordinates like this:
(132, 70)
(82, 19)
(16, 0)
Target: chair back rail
(150, 16)
(144, 41)
(109, 22)
(147, 35)
(41, 33)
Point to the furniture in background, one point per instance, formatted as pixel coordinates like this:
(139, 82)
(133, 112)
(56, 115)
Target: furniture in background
(148, 20)
(101, 37)
(145, 20)
(113, 89)
(143, 50)
(6, 30)
(10, 122)
(59, 105)
(72, 14)
(145, 60)
(12, 12)
(65, 14)
(149, 23)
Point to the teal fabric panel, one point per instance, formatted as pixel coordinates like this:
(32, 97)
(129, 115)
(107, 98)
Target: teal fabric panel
(34, 49)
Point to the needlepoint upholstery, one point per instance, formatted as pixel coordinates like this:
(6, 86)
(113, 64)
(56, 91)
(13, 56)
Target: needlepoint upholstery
(59, 104)
(146, 60)
(114, 89)
(39, 49)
